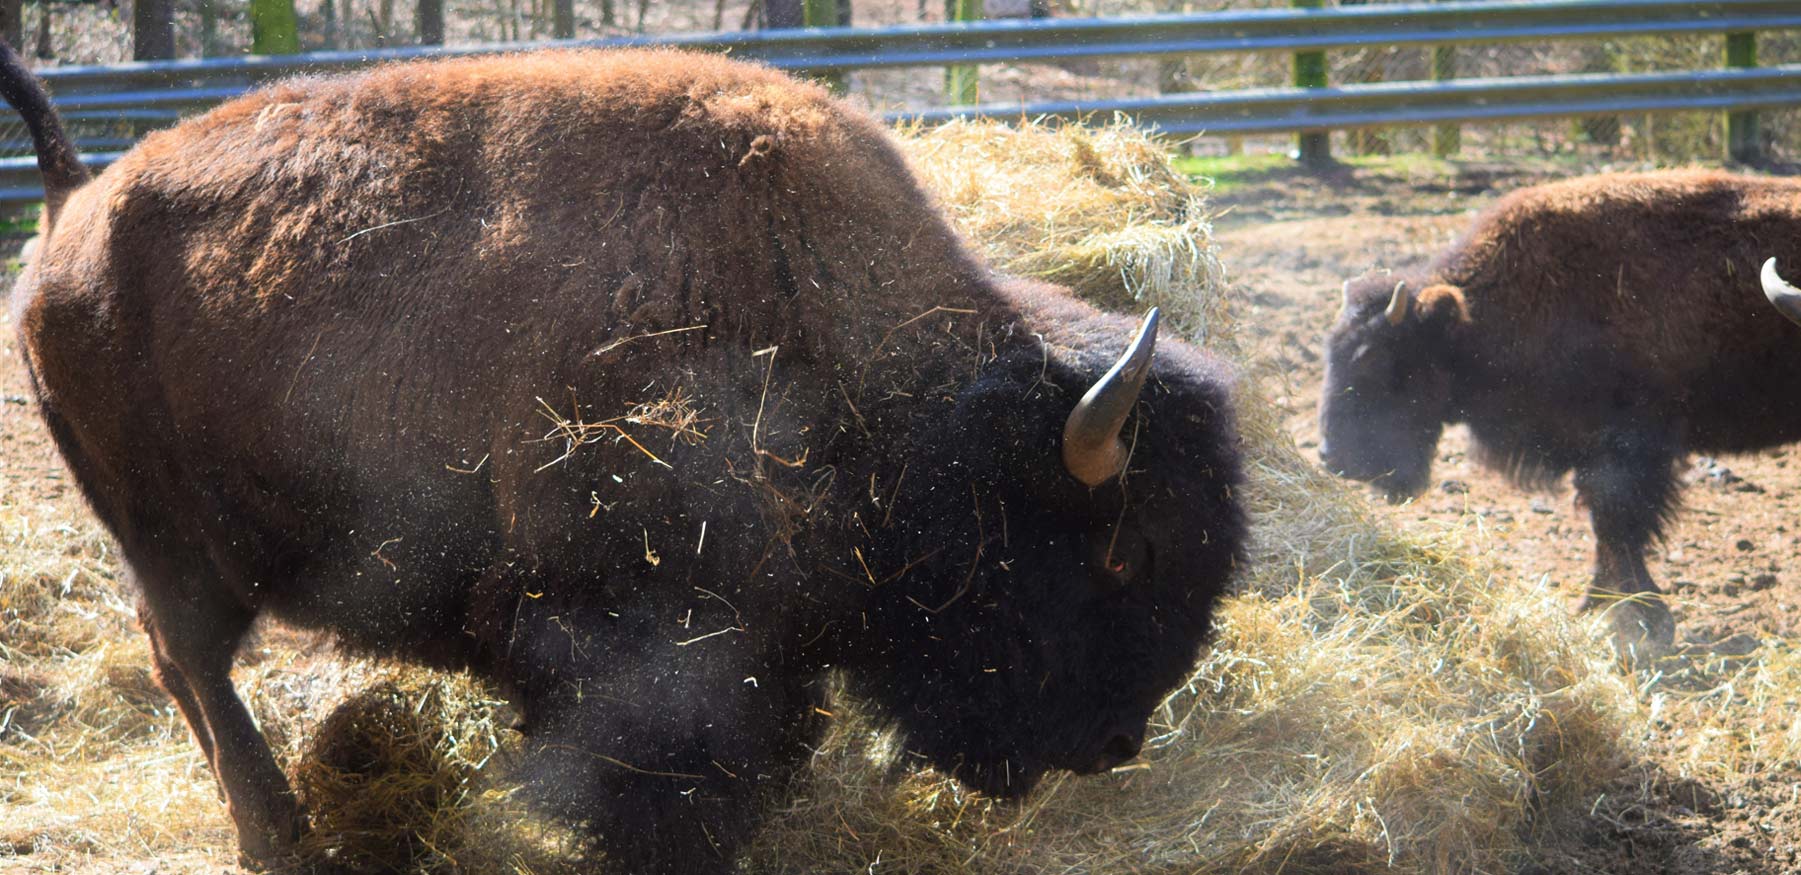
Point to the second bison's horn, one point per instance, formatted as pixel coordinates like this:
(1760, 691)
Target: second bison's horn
(1398, 304)
(1092, 450)
(1784, 295)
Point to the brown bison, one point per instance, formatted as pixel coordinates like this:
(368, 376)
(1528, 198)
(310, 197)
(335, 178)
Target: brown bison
(648, 385)
(1604, 326)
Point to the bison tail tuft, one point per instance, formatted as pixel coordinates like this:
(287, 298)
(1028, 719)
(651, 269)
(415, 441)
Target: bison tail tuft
(58, 161)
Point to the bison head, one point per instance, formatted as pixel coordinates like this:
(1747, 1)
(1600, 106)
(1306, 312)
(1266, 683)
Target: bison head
(1065, 565)
(1388, 388)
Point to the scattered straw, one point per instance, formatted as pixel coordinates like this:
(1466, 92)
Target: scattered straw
(1097, 209)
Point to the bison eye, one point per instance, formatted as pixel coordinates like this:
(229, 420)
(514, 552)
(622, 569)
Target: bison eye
(1120, 555)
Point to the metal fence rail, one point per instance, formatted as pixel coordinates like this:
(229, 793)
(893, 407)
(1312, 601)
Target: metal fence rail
(160, 91)
(1422, 103)
(832, 49)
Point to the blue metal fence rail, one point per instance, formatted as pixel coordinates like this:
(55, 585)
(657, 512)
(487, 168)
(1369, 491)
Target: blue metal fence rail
(161, 91)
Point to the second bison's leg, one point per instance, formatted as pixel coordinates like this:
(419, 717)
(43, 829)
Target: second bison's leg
(1630, 490)
(193, 639)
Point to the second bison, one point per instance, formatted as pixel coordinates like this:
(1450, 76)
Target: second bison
(1605, 326)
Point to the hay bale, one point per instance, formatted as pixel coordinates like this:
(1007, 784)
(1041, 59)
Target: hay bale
(1099, 210)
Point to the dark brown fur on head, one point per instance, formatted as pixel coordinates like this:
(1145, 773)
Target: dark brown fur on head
(1388, 360)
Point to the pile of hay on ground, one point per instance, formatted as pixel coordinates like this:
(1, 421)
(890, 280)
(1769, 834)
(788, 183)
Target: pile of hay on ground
(1374, 701)
(1099, 210)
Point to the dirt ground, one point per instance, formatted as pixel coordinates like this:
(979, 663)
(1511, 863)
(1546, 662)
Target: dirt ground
(1729, 561)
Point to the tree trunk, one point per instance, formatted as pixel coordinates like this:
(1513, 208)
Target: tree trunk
(784, 14)
(12, 22)
(328, 11)
(428, 19)
(153, 30)
(564, 26)
(44, 51)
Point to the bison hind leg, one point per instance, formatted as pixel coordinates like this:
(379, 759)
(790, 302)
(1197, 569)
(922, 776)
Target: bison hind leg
(1629, 486)
(194, 635)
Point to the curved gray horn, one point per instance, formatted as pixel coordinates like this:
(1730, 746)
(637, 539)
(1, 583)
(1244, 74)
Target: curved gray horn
(1092, 450)
(1398, 304)
(1785, 296)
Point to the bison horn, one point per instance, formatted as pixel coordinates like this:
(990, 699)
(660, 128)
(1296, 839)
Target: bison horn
(1345, 292)
(1783, 294)
(1398, 304)
(1092, 450)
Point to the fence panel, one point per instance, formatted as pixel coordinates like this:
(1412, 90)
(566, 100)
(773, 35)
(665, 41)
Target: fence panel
(159, 92)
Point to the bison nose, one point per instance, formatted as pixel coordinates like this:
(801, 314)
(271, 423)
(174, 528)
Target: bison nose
(1124, 747)
(1121, 748)
(1325, 454)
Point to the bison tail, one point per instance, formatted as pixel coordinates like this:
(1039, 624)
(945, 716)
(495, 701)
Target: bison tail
(58, 161)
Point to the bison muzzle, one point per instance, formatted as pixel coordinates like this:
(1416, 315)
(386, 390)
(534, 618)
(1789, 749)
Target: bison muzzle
(648, 386)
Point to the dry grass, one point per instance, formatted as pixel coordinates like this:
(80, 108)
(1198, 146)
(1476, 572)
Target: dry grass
(1375, 700)
(1097, 209)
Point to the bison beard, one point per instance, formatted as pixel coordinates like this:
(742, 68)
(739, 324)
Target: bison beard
(647, 385)
(1604, 326)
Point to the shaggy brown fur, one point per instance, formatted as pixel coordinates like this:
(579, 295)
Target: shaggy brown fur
(647, 384)
(1604, 325)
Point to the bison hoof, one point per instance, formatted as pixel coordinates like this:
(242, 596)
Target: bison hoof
(1642, 627)
(266, 850)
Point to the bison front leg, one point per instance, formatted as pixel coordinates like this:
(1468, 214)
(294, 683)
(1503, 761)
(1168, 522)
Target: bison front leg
(1630, 491)
(665, 751)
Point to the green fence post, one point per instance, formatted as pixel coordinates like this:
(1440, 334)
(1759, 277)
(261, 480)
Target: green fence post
(1446, 139)
(274, 28)
(1742, 141)
(961, 83)
(1314, 149)
(823, 13)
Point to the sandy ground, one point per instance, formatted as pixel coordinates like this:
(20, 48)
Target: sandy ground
(1729, 561)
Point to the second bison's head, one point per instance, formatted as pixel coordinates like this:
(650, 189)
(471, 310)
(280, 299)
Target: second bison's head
(1388, 382)
(1074, 519)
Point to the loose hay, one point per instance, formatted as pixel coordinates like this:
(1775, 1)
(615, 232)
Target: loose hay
(1374, 701)
(394, 778)
(1097, 209)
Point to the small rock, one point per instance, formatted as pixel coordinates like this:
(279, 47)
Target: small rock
(1762, 582)
(15, 399)
(1744, 545)
(1454, 487)
(1540, 505)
